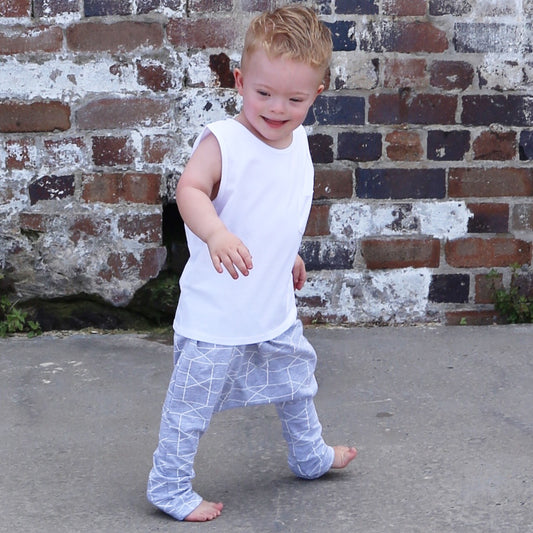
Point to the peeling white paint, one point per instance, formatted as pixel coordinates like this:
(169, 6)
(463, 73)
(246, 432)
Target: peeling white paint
(354, 220)
(392, 297)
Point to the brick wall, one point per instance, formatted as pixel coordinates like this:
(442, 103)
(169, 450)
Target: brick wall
(423, 147)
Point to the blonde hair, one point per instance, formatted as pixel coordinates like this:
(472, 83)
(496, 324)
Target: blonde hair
(292, 32)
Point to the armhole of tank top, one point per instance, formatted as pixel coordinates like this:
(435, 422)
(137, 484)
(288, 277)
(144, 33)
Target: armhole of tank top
(223, 166)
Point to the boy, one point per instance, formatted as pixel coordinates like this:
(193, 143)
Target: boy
(245, 197)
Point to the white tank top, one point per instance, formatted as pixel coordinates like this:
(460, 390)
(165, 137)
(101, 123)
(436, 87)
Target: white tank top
(264, 198)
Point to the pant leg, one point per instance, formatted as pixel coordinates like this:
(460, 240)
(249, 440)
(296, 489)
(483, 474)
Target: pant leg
(194, 389)
(309, 456)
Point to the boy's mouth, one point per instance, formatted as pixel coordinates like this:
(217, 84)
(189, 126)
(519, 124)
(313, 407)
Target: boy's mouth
(274, 123)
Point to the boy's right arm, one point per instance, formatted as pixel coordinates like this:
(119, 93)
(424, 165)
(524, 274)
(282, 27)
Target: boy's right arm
(197, 187)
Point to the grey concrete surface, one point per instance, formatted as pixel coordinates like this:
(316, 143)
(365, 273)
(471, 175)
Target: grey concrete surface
(442, 418)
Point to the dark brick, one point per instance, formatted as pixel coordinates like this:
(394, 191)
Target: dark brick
(400, 183)
(356, 7)
(490, 182)
(400, 253)
(340, 110)
(526, 145)
(220, 65)
(331, 183)
(343, 35)
(495, 146)
(405, 37)
(449, 288)
(359, 147)
(405, 108)
(330, 255)
(51, 188)
(450, 75)
(47, 8)
(485, 38)
(112, 151)
(102, 8)
(321, 148)
(450, 7)
(145, 6)
(448, 145)
(512, 110)
(489, 218)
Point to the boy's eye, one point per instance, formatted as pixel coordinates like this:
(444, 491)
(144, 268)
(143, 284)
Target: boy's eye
(296, 99)
(263, 93)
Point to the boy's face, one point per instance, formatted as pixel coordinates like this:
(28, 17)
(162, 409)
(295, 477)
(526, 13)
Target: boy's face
(277, 94)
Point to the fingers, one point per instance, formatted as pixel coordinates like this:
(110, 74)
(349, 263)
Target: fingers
(235, 261)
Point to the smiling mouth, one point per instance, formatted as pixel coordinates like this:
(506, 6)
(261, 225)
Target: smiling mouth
(275, 123)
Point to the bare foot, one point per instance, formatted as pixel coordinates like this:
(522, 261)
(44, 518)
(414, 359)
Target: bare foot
(204, 512)
(343, 456)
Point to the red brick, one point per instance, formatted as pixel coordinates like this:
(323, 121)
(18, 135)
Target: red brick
(154, 76)
(20, 154)
(404, 8)
(490, 182)
(494, 252)
(152, 261)
(203, 33)
(117, 37)
(156, 148)
(522, 218)
(35, 117)
(112, 151)
(333, 183)
(450, 75)
(496, 146)
(405, 108)
(399, 35)
(318, 223)
(401, 253)
(23, 40)
(404, 146)
(33, 221)
(112, 188)
(113, 113)
(143, 228)
(15, 8)
(486, 285)
(473, 318)
(409, 72)
(142, 188)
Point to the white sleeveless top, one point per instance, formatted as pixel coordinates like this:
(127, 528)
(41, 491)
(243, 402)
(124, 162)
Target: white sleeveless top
(264, 198)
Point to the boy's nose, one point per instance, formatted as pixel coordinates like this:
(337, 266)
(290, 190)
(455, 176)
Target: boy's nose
(278, 105)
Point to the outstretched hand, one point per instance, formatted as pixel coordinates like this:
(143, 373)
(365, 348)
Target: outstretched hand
(227, 250)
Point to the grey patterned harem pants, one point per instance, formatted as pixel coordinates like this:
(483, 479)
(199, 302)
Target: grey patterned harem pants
(208, 378)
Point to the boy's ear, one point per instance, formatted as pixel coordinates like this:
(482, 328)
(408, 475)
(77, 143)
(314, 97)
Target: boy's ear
(237, 74)
(320, 89)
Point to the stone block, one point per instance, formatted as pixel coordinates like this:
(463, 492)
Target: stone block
(449, 288)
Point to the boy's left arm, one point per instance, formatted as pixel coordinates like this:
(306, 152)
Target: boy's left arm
(299, 274)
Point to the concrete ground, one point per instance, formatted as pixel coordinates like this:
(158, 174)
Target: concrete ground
(442, 418)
